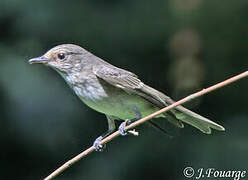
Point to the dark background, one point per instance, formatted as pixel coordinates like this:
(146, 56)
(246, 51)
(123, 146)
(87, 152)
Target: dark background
(176, 46)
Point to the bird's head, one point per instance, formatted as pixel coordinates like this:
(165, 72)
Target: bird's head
(65, 58)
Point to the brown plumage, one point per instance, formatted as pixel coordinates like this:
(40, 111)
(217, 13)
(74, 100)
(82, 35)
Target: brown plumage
(115, 92)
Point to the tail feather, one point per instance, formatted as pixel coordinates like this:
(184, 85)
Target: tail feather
(173, 119)
(179, 114)
(196, 120)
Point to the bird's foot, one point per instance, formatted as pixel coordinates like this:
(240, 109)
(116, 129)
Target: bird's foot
(98, 147)
(121, 128)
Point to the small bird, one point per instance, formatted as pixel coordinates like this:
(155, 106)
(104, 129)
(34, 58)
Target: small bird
(115, 92)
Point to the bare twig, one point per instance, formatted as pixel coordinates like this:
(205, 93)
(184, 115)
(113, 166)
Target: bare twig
(117, 133)
(134, 132)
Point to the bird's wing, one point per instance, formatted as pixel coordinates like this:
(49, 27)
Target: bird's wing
(119, 78)
(130, 83)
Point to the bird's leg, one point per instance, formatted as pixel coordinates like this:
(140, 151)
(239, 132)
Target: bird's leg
(130, 121)
(111, 128)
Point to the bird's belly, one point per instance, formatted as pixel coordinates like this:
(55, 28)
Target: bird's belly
(113, 101)
(121, 106)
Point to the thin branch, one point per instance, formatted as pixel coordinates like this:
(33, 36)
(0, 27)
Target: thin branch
(141, 121)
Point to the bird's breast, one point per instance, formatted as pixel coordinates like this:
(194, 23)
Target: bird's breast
(110, 100)
(90, 90)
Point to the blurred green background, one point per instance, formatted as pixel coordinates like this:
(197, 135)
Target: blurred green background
(176, 46)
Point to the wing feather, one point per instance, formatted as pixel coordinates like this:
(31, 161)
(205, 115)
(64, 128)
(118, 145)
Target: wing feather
(130, 83)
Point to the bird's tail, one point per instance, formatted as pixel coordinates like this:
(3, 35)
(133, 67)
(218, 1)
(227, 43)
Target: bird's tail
(203, 124)
(179, 114)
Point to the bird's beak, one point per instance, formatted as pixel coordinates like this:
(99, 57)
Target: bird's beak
(40, 60)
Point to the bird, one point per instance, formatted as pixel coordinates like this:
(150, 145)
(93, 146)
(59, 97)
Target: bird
(115, 92)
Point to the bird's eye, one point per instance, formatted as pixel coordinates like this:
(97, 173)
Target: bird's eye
(61, 56)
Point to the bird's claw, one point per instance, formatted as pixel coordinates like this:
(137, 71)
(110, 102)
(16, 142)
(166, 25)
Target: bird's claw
(97, 145)
(122, 130)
